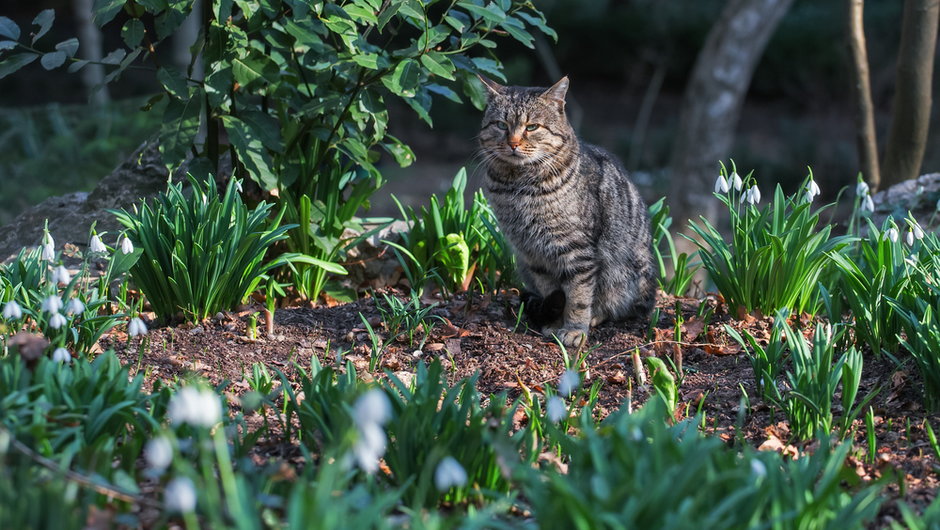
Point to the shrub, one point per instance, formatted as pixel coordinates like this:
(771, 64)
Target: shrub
(683, 272)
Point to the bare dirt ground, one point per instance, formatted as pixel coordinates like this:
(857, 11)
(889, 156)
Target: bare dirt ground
(483, 335)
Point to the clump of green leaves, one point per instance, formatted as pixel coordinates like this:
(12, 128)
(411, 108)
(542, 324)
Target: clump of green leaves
(777, 253)
(683, 271)
(454, 245)
(204, 253)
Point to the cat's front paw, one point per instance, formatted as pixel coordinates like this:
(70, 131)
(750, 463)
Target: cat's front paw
(569, 337)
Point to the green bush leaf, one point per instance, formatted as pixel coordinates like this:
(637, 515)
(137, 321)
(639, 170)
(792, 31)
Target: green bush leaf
(180, 126)
(15, 62)
(44, 20)
(132, 32)
(9, 29)
(52, 60)
(69, 46)
(105, 10)
(251, 152)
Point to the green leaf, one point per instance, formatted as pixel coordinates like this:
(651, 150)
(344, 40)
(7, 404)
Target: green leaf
(438, 64)
(265, 126)
(404, 79)
(77, 65)
(251, 152)
(7, 44)
(180, 126)
(361, 14)
(132, 32)
(490, 13)
(255, 67)
(444, 91)
(518, 32)
(105, 10)
(388, 13)
(53, 60)
(174, 83)
(9, 29)
(115, 57)
(69, 46)
(369, 60)
(15, 62)
(44, 20)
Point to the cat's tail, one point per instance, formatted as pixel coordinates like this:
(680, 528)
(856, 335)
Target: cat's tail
(543, 311)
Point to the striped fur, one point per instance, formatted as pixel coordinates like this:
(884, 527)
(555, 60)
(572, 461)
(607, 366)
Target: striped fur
(571, 214)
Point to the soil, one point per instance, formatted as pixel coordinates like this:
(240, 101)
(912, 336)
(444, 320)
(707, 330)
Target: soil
(485, 336)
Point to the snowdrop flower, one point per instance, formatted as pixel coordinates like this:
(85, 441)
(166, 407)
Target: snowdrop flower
(74, 307)
(861, 188)
(892, 234)
(180, 495)
(909, 238)
(758, 468)
(95, 245)
(47, 239)
(57, 321)
(12, 310)
(61, 275)
(555, 409)
(449, 473)
(721, 185)
(48, 253)
(918, 231)
(751, 196)
(52, 304)
(194, 406)
(867, 204)
(370, 411)
(812, 190)
(136, 327)
(238, 186)
(61, 355)
(736, 181)
(126, 246)
(158, 453)
(568, 383)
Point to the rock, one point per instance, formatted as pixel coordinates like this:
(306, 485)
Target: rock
(919, 196)
(70, 216)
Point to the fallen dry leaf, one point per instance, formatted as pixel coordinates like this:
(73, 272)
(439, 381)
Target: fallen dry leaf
(692, 328)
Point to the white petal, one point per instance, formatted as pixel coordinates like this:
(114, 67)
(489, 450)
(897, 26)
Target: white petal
(758, 468)
(52, 304)
(158, 453)
(569, 382)
(57, 321)
(892, 234)
(372, 408)
(48, 253)
(180, 495)
(918, 232)
(74, 307)
(867, 204)
(61, 355)
(861, 188)
(555, 409)
(369, 447)
(95, 245)
(12, 310)
(61, 275)
(736, 181)
(910, 238)
(449, 473)
(721, 185)
(127, 247)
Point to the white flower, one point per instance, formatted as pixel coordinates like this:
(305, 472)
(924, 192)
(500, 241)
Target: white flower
(238, 186)
(48, 253)
(126, 246)
(158, 453)
(57, 321)
(95, 245)
(752, 195)
(369, 447)
(449, 474)
(758, 468)
(861, 188)
(867, 204)
(61, 355)
(60, 275)
(569, 382)
(372, 408)
(52, 304)
(194, 406)
(892, 234)
(12, 310)
(74, 307)
(721, 185)
(812, 190)
(180, 495)
(555, 409)
(136, 327)
(918, 232)
(909, 238)
(47, 239)
(736, 181)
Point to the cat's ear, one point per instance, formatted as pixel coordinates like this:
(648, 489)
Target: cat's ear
(557, 91)
(492, 87)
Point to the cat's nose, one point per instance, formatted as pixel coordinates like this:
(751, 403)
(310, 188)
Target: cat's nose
(514, 143)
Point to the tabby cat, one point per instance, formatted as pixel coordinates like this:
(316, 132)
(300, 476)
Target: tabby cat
(578, 227)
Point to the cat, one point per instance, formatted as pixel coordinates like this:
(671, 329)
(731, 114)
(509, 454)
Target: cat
(577, 225)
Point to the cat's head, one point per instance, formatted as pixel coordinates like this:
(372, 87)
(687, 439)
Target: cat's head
(525, 125)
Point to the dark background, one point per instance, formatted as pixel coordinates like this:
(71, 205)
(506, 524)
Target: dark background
(797, 112)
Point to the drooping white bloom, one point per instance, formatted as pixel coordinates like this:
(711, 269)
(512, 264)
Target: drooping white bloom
(12, 310)
(568, 383)
(909, 238)
(47, 239)
(861, 188)
(758, 468)
(56, 321)
(812, 190)
(449, 474)
(61, 355)
(74, 307)
(96, 245)
(721, 185)
(752, 195)
(892, 234)
(736, 181)
(194, 406)
(867, 204)
(52, 303)
(48, 253)
(60, 275)
(555, 409)
(918, 232)
(238, 186)
(136, 327)
(372, 407)
(370, 411)
(180, 495)
(158, 453)
(126, 246)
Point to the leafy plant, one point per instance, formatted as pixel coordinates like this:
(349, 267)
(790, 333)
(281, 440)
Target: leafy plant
(405, 318)
(453, 244)
(766, 361)
(683, 271)
(203, 254)
(776, 255)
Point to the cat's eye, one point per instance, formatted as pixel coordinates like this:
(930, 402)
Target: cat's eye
(501, 125)
(532, 126)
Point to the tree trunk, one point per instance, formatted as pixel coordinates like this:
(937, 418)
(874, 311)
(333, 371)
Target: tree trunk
(90, 37)
(907, 138)
(865, 136)
(713, 99)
